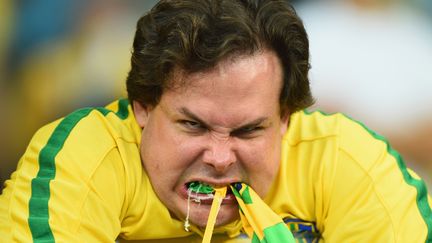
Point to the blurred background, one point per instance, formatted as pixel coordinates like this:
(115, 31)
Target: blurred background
(371, 59)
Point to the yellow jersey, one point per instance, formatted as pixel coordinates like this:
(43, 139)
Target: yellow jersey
(81, 180)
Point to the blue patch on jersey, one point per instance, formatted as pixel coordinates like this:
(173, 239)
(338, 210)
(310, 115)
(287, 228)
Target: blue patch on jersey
(303, 231)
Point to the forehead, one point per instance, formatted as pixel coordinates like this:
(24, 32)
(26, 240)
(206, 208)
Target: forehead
(238, 75)
(235, 91)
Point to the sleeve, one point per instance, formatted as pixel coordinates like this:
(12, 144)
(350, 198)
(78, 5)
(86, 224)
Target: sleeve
(374, 197)
(66, 188)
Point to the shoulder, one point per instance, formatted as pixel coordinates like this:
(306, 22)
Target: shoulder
(81, 140)
(306, 125)
(349, 163)
(313, 147)
(94, 125)
(344, 133)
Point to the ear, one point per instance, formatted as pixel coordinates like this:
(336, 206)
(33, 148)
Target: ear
(141, 112)
(284, 123)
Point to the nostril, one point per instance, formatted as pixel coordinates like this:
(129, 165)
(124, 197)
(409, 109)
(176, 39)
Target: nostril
(219, 159)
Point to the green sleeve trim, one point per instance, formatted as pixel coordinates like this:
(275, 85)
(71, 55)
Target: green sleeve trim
(123, 111)
(40, 189)
(40, 185)
(419, 185)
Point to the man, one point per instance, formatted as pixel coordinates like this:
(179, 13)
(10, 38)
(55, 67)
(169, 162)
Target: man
(216, 93)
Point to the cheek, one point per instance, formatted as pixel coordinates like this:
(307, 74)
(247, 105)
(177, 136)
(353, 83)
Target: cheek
(167, 151)
(263, 153)
(156, 147)
(261, 161)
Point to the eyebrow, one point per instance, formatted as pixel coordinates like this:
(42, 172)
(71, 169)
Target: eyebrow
(185, 111)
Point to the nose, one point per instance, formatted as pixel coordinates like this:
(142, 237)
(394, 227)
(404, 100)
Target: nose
(219, 154)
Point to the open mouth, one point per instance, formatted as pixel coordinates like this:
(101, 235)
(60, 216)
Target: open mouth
(200, 187)
(201, 192)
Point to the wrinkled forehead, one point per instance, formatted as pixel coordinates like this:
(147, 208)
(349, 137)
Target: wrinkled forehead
(236, 70)
(240, 89)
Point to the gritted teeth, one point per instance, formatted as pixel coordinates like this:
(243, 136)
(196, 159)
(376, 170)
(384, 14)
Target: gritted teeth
(200, 187)
(199, 183)
(203, 187)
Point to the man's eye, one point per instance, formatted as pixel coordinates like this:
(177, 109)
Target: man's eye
(191, 124)
(252, 129)
(247, 131)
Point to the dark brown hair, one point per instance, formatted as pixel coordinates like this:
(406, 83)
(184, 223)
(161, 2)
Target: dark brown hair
(195, 35)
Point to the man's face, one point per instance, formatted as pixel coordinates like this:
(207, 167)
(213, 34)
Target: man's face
(223, 127)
